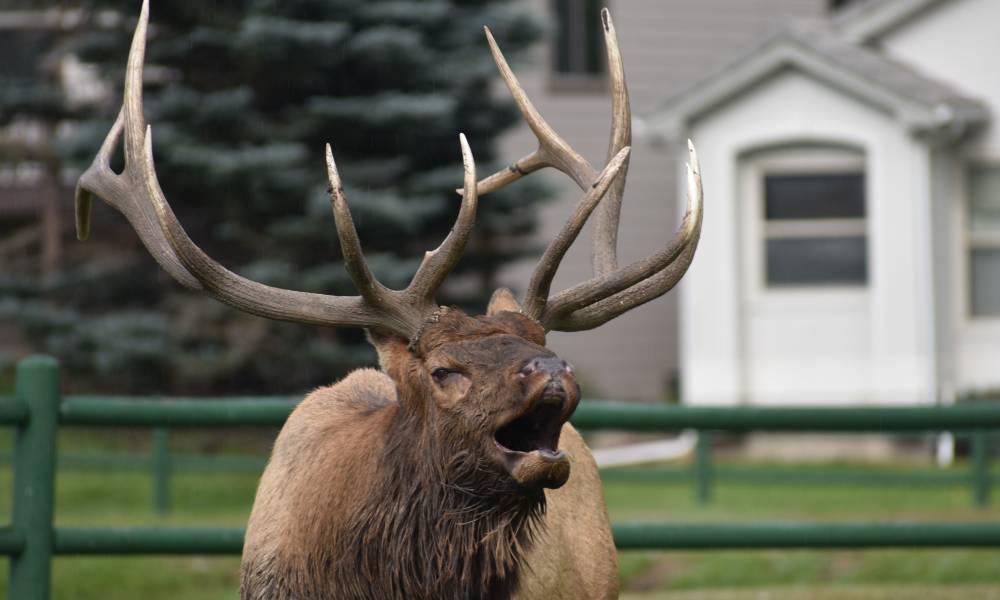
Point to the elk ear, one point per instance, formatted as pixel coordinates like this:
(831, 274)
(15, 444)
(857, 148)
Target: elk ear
(393, 351)
(503, 300)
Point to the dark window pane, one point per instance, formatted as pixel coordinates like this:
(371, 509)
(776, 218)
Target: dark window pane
(986, 282)
(819, 196)
(562, 41)
(984, 198)
(817, 261)
(593, 39)
(579, 43)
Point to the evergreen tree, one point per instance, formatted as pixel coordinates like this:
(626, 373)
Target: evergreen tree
(242, 95)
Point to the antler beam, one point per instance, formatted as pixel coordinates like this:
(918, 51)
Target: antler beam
(136, 193)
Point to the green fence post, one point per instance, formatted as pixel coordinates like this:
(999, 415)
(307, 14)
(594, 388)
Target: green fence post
(703, 467)
(980, 468)
(34, 477)
(161, 470)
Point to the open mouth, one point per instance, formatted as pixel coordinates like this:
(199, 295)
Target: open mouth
(538, 429)
(528, 445)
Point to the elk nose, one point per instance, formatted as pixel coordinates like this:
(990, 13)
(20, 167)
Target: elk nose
(549, 365)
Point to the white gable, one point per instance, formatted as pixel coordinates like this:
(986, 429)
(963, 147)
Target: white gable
(957, 42)
(866, 344)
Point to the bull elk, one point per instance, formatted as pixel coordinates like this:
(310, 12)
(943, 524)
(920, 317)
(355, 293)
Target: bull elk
(452, 472)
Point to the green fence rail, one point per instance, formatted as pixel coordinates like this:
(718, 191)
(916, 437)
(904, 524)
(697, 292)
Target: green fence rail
(37, 410)
(703, 474)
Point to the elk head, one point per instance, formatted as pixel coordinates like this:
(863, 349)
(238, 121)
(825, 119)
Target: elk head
(488, 380)
(491, 386)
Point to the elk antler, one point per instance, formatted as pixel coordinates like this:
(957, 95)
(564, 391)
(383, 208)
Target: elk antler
(612, 291)
(136, 193)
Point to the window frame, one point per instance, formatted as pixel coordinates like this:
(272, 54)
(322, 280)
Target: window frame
(576, 81)
(973, 240)
(810, 159)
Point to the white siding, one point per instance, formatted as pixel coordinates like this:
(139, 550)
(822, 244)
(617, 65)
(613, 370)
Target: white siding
(958, 42)
(666, 46)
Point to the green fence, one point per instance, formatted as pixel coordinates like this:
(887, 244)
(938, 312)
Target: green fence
(37, 410)
(703, 473)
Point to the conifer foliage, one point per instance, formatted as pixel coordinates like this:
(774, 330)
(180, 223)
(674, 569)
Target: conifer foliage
(242, 96)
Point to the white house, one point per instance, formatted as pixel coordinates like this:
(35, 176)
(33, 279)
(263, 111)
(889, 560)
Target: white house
(851, 246)
(666, 46)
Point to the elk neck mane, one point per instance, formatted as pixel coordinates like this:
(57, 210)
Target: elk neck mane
(442, 524)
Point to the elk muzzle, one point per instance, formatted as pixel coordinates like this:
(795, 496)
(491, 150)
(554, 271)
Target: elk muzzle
(528, 440)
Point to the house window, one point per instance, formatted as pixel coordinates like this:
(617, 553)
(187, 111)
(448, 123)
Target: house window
(579, 47)
(984, 240)
(835, 5)
(814, 229)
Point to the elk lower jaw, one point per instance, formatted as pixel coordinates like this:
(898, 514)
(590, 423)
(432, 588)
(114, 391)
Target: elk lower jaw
(528, 444)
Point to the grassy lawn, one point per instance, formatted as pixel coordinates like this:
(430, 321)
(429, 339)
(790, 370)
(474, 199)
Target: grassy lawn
(860, 592)
(95, 497)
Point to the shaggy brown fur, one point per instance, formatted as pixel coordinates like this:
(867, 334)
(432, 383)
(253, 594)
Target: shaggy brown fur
(382, 486)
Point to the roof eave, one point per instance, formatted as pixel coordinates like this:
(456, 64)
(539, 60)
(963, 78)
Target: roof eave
(868, 21)
(670, 120)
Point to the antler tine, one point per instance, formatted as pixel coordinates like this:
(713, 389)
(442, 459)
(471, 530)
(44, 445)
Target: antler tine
(439, 262)
(536, 297)
(100, 166)
(135, 120)
(354, 260)
(605, 248)
(99, 179)
(553, 151)
(599, 300)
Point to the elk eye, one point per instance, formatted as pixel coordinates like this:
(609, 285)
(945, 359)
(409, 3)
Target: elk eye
(440, 375)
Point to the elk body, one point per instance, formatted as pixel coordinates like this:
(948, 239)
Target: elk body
(452, 472)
